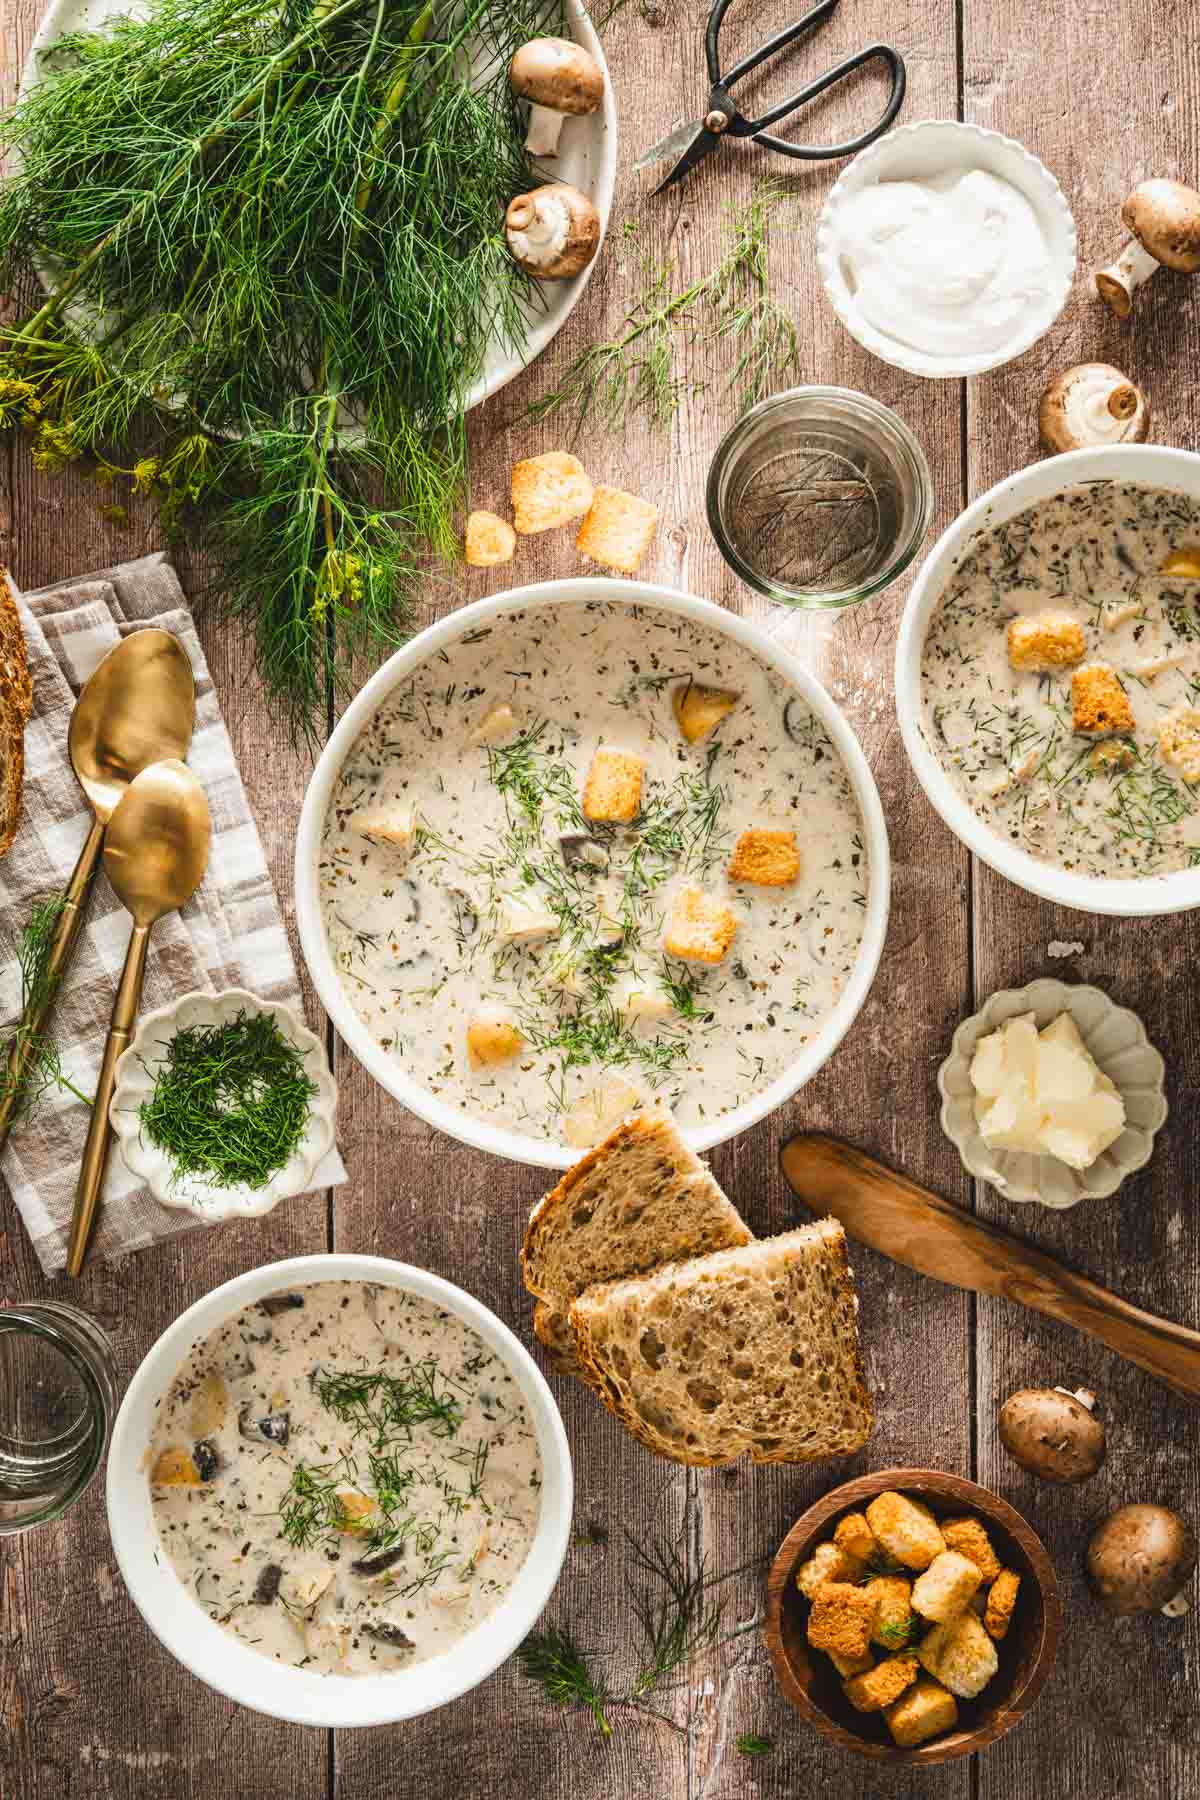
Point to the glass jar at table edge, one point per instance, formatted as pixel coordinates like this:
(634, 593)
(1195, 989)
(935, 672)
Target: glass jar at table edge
(845, 426)
(58, 1396)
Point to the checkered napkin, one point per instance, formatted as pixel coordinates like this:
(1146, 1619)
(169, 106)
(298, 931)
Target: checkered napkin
(230, 934)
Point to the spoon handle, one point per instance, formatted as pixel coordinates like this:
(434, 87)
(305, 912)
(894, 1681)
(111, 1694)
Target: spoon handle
(24, 1044)
(99, 1137)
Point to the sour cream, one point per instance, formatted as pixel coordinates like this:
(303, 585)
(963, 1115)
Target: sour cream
(951, 266)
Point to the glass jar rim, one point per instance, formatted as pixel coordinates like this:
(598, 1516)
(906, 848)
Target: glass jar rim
(87, 1347)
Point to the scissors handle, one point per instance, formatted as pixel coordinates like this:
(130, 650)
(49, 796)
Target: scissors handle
(742, 127)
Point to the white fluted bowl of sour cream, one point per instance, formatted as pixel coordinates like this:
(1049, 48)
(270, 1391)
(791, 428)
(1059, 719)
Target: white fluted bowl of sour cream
(946, 249)
(220, 1333)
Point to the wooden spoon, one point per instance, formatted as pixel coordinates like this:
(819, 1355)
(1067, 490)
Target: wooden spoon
(155, 854)
(926, 1233)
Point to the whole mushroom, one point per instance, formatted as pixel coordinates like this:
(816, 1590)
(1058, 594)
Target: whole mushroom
(557, 77)
(553, 232)
(1140, 1559)
(1090, 405)
(1164, 217)
(1052, 1433)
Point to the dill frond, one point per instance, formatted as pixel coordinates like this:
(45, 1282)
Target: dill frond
(30, 1064)
(676, 1615)
(750, 1744)
(555, 1663)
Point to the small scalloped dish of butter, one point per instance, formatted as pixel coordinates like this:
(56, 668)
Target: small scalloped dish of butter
(1042, 1092)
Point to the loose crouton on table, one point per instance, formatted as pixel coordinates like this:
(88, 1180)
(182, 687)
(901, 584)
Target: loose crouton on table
(489, 540)
(548, 491)
(617, 530)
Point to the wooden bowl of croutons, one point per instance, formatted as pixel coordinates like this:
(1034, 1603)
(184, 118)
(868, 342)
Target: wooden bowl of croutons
(912, 1616)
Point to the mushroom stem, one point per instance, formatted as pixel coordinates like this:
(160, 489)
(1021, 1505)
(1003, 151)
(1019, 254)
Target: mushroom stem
(545, 124)
(1117, 283)
(1175, 1608)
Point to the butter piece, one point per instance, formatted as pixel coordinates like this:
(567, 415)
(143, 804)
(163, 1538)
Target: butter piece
(1041, 1092)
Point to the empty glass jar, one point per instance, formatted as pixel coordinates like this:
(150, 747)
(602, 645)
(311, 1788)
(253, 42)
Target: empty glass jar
(58, 1390)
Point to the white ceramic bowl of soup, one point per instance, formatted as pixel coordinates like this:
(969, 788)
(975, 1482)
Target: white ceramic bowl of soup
(223, 1661)
(457, 1122)
(1149, 465)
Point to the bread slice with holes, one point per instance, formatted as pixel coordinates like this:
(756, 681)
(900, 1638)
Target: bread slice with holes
(638, 1200)
(753, 1350)
(16, 704)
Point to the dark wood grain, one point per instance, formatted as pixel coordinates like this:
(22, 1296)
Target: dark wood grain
(906, 1222)
(1026, 1653)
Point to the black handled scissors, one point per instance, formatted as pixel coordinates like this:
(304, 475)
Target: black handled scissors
(722, 118)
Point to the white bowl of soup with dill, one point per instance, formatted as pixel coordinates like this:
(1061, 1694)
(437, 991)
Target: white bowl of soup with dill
(339, 1490)
(1048, 679)
(587, 848)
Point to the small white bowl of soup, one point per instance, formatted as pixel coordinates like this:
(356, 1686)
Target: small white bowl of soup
(1048, 679)
(500, 837)
(339, 1490)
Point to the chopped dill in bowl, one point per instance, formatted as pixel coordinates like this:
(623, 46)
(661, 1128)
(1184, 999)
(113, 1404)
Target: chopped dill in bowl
(231, 1102)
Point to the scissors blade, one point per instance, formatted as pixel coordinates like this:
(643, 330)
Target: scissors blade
(703, 143)
(674, 142)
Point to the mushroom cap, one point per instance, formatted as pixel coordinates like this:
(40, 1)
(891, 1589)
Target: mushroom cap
(556, 73)
(1139, 1558)
(569, 223)
(1164, 217)
(1089, 405)
(1052, 1434)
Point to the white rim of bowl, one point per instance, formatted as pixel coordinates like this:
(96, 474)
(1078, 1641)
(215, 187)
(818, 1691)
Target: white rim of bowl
(233, 1668)
(515, 1146)
(1149, 465)
(850, 181)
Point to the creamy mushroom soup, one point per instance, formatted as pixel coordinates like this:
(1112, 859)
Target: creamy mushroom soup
(1088, 754)
(539, 816)
(345, 1477)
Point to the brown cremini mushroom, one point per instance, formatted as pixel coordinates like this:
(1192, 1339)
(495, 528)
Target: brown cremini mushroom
(557, 77)
(1052, 1433)
(553, 232)
(1164, 217)
(1140, 1559)
(1090, 405)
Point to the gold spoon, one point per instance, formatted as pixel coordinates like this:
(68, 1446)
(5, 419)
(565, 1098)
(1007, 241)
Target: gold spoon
(136, 708)
(155, 853)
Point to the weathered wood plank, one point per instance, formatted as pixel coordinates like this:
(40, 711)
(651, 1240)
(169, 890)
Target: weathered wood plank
(1115, 1720)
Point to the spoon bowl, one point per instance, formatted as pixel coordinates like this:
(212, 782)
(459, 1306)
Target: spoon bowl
(137, 707)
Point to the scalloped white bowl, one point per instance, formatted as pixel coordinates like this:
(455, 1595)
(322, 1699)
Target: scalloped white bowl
(916, 152)
(137, 1071)
(1116, 1038)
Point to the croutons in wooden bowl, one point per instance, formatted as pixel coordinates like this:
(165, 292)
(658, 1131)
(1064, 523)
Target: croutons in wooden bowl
(931, 1682)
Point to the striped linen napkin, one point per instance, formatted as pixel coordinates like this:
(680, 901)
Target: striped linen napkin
(230, 934)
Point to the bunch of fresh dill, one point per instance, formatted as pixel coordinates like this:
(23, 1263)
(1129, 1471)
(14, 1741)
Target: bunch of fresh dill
(272, 231)
(636, 370)
(29, 1061)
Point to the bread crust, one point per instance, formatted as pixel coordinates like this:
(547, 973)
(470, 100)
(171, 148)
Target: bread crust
(16, 705)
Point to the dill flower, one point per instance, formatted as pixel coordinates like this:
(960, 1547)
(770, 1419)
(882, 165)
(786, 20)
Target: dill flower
(58, 442)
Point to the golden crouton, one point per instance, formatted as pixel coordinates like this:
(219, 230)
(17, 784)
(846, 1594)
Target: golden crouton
(497, 723)
(946, 1586)
(1184, 562)
(1043, 641)
(175, 1467)
(700, 929)
(828, 1562)
(613, 790)
(841, 1618)
(1002, 1598)
(851, 1665)
(766, 858)
(388, 830)
(489, 540)
(492, 1042)
(969, 1538)
(1179, 741)
(617, 530)
(925, 1711)
(960, 1654)
(699, 710)
(853, 1535)
(880, 1686)
(907, 1530)
(894, 1622)
(549, 490)
(1099, 703)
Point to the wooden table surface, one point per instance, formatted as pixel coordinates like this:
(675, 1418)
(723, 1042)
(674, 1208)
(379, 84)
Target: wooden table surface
(89, 1703)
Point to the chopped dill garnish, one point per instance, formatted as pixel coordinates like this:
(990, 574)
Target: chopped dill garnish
(750, 1744)
(231, 1102)
(388, 1406)
(675, 1613)
(553, 1660)
(311, 1507)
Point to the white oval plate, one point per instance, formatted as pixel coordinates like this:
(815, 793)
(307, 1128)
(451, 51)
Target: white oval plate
(587, 159)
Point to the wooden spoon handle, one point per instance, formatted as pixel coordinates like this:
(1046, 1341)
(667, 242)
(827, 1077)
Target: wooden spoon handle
(926, 1233)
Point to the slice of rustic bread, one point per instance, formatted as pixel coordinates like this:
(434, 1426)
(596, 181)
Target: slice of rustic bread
(753, 1349)
(639, 1199)
(16, 704)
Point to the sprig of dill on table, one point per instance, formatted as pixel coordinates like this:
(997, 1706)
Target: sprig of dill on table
(29, 1051)
(272, 231)
(636, 370)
